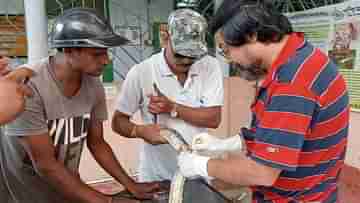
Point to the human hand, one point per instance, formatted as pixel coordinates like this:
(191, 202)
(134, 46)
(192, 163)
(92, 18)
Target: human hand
(20, 74)
(192, 165)
(145, 190)
(151, 134)
(160, 104)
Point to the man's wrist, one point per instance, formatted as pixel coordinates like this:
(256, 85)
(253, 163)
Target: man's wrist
(174, 110)
(134, 131)
(139, 131)
(203, 165)
(233, 143)
(128, 182)
(131, 186)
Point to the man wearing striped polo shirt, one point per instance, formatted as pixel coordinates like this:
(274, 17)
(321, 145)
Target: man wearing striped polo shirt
(296, 146)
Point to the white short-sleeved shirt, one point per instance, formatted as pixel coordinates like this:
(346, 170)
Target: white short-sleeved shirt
(203, 88)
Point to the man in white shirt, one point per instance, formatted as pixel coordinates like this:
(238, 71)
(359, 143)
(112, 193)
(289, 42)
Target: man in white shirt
(181, 88)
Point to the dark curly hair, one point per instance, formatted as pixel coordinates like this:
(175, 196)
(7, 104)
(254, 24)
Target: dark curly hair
(241, 19)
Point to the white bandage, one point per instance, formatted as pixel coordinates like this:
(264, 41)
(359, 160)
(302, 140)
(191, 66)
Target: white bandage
(192, 165)
(207, 142)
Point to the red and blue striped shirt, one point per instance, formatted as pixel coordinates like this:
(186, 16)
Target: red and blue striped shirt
(300, 125)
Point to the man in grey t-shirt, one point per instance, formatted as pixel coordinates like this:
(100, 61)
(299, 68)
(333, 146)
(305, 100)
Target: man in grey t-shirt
(40, 151)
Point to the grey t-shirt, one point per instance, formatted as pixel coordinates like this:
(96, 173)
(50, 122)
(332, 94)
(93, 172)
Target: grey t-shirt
(52, 114)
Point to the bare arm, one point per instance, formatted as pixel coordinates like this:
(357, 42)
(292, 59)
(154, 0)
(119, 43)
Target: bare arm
(122, 125)
(241, 170)
(104, 155)
(41, 150)
(208, 117)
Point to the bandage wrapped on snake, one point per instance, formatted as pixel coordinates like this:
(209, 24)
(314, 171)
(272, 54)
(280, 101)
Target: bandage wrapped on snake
(180, 145)
(178, 181)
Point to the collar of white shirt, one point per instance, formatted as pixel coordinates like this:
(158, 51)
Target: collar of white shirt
(165, 69)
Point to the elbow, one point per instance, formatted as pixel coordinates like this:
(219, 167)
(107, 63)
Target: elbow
(118, 119)
(91, 147)
(217, 122)
(96, 146)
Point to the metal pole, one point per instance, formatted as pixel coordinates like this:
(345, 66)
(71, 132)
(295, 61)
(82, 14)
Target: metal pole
(207, 7)
(148, 20)
(36, 29)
